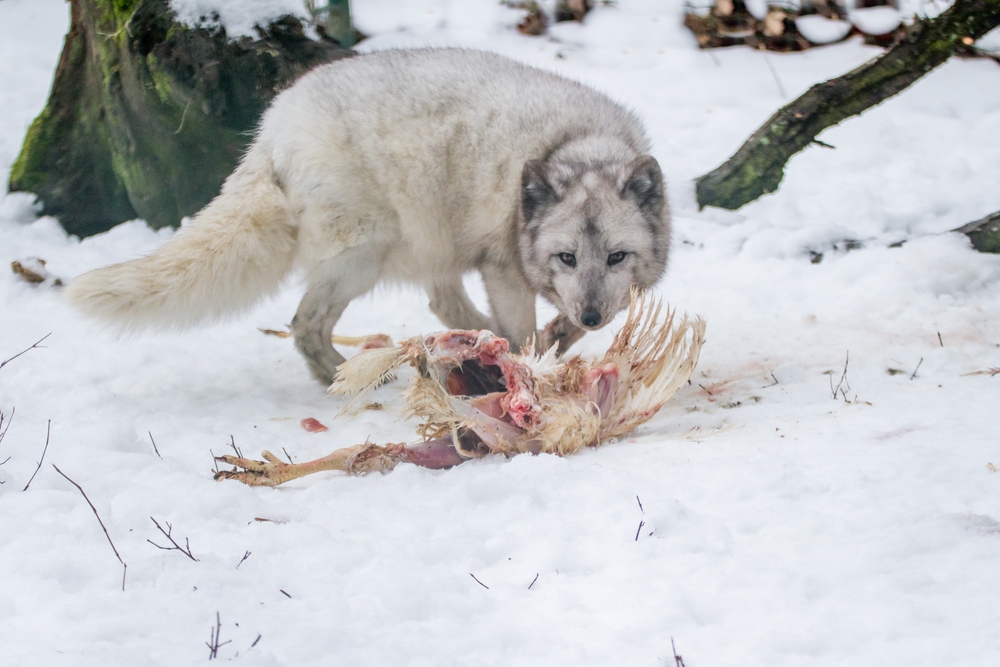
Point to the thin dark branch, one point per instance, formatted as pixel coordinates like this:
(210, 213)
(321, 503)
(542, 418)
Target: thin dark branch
(232, 442)
(479, 582)
(255, 641)
(154, 444)
(843, 378)
(103, 527)
(48, 432)
(917, 368)
(245, 556)
(285, 593)
(289, 456)
(533, 581)
(678, 660)
(639, 529)
(9, 422)
(640, 505)
(186, 549)
(7, 361)
(213, 643)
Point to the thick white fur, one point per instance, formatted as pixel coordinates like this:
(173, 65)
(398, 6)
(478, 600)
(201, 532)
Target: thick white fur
(238, 249)
(392, 166)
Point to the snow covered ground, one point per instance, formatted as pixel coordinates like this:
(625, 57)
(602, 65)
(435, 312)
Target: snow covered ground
(779, 525)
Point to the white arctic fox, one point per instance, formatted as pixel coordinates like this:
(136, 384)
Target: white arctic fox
(415, 166)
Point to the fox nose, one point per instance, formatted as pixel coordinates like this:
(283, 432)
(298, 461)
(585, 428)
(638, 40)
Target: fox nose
(590, 318)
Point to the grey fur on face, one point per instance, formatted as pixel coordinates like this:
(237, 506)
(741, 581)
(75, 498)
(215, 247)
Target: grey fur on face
(590, 230)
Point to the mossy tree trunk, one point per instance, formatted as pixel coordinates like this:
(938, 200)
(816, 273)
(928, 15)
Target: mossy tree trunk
(147, 117)
(758, 166)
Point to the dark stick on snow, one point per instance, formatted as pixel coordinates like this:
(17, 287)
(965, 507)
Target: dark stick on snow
(285, 594)
(167, 533)
(640, 505)
(154, 444)
(103, 527)
(917, 368)
(532, 581)
(215, 460)
(213, 643)
(774, 73)
(9, 421)
(48, 432)
(678, 660)
(637, 530)
(255, 641)
(7, 361)
(232, 442)
(289, 456)
(843, 377)
(481, 583)
(245, 556)
(775, 381)
(939, 339)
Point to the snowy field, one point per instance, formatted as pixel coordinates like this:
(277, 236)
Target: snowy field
(779, 525)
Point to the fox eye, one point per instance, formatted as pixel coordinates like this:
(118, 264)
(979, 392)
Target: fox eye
(567, 258)
(616, 258)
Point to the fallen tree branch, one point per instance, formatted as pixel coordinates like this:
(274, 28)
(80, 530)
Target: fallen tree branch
(758, 166)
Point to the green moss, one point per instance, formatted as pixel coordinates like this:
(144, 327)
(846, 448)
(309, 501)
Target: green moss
(35, 143)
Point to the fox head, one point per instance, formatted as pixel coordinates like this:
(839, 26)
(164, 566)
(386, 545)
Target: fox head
(589, 231)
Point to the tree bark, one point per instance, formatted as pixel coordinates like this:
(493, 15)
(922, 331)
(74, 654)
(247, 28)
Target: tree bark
(758, 166)
(147, 116)
(984, 234)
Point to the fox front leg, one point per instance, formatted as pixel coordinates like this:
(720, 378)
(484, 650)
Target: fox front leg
(561, 332)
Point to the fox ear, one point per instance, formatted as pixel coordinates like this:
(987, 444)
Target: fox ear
(537, 193)
(644, 185)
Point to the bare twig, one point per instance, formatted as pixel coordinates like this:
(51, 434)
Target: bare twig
(289, 456)
(154, 444)
(9, 420)
(479, 582)
(232, 443)
(678, 660)
(186, 549)
(637, 530)
(255, 641)
(917, 368)
(939, 339)
(285, 593)
(48, 432)
(640, 505)
(7, 361)
(774, 73)
(3, 432)
(103, 527)
(245, 556)
(843, 378)
(213, 643)
(532, 581)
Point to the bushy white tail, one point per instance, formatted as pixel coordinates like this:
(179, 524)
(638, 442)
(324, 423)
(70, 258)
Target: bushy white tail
(238, 249)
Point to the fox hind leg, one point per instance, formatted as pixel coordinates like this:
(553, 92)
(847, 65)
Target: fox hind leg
(332, 286)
